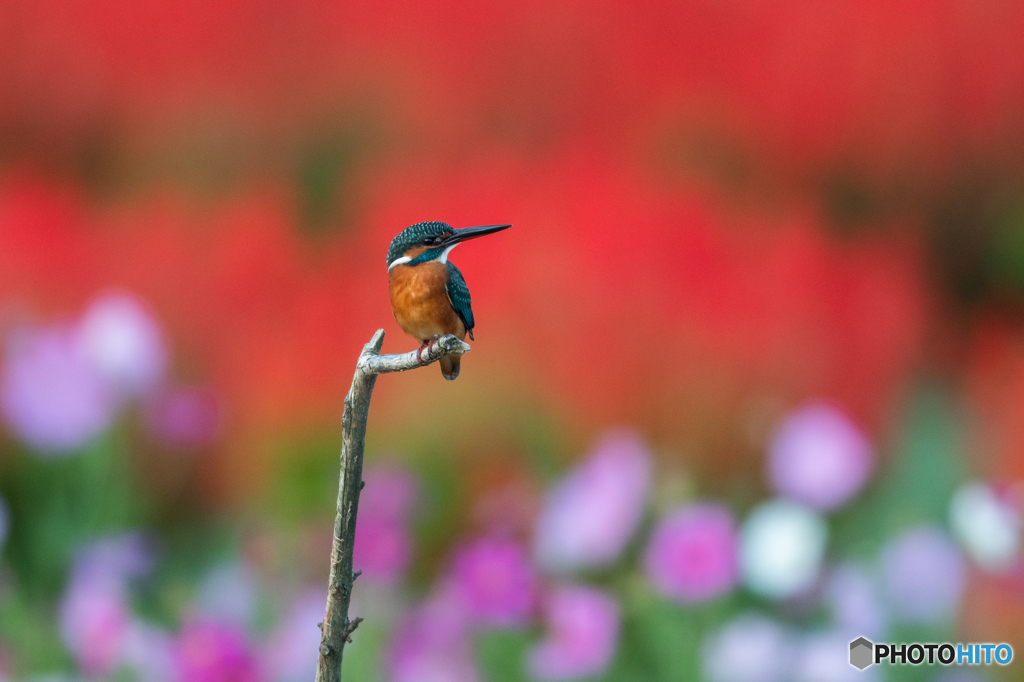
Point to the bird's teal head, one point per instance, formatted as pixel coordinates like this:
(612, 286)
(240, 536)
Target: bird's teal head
(432, 241)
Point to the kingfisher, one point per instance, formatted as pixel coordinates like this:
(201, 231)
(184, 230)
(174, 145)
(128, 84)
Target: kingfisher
(429, 296)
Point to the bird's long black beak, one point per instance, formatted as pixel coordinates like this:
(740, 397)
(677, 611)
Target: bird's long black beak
(467, 233)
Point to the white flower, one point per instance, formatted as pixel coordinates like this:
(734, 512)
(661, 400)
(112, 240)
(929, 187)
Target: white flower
(781, 547)
(987, 527)
(124, 342)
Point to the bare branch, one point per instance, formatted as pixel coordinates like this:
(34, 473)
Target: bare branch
(336, 628)
(383, 364)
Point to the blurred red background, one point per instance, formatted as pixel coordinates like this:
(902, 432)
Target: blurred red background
(721, 210)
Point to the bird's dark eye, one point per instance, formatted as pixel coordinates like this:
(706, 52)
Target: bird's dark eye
(428, 241)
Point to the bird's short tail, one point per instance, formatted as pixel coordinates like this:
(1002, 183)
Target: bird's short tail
(450, 366)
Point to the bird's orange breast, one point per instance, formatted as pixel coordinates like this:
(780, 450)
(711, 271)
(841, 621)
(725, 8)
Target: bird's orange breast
(419, 300)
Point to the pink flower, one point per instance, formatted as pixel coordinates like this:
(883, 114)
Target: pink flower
(819, 457)
(691, 556)
(94, 612)
(63, 383)
(588, 518)
(383, 545)
(94, 617)
(432, 644)
(495, 580)
(52, 397)
(583, 634)
(184, 417)
(208, 651)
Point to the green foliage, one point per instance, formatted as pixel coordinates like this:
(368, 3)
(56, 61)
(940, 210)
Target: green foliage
(502, 654)
(306, 478)
(363, 656)
(27, 626)
(914, 483)
(58, 504)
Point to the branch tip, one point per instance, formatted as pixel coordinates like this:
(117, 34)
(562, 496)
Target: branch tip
(376, 342)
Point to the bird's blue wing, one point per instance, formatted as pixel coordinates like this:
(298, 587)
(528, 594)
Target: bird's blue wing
(458, 294)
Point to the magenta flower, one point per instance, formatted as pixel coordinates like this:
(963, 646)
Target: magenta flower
(819, 457)
(208, 651)
(432, 644)
(588, 518)
(495, 581)
(184, 417)
(52, 397)
(94, 613)
(383, 544)
(924, 575)
(583, 633)
(383, 548)
(124, 342)
(692, 554)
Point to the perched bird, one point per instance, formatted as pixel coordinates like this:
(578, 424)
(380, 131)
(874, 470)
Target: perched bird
(429, 296)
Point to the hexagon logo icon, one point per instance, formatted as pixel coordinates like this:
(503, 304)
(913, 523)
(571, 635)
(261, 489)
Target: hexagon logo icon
(861, 653)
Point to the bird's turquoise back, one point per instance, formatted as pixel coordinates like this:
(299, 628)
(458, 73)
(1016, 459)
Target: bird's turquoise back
(458, 294)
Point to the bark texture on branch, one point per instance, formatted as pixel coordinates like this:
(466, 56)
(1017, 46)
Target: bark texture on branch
(337, 628)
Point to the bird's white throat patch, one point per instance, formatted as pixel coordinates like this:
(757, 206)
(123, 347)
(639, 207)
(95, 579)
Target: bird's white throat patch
(398, 261)
(443, 258)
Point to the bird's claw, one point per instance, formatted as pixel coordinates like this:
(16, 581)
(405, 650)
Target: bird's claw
(427, 346)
